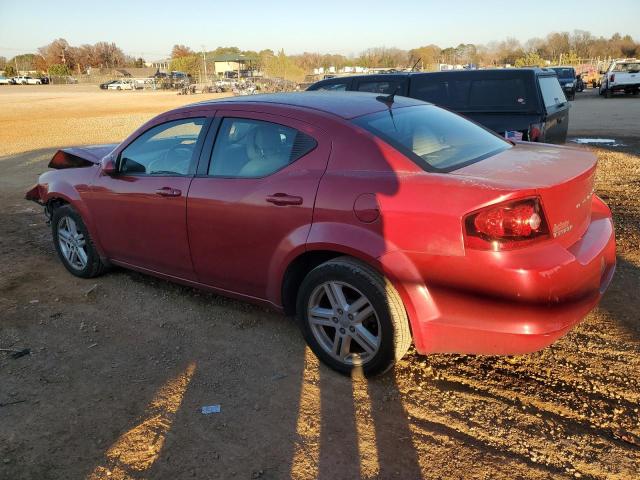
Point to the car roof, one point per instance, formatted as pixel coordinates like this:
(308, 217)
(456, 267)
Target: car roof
(509, 72)
(342, 104)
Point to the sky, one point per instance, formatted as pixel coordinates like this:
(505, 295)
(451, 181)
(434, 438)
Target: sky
(150, 28)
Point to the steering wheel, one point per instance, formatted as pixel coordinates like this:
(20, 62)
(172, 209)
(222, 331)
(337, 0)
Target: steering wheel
(176, 159)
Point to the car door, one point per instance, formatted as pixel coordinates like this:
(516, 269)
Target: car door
(556, 121)
(251, 203)
(140, 211)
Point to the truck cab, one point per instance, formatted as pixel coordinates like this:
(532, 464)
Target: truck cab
(621, 76)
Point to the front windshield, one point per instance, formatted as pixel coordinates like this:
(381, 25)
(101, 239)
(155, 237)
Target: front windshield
(434, 138)
(565, 72)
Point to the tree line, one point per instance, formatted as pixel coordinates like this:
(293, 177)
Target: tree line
(574, 47)
(60, 58)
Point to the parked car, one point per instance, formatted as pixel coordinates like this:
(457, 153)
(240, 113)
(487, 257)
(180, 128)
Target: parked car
(376, 219)
(6, 81)
(522, 104)
(26, 80)
(621, 76)
(567, 79)
(120, 85)
(105, 85)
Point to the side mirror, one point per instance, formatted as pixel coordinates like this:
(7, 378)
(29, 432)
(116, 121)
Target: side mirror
(109, 166)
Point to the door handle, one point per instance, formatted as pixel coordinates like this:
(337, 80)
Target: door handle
(168, 192)
(282, 199)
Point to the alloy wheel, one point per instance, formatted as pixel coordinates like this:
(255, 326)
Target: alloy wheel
(344, 322)
(72, 243)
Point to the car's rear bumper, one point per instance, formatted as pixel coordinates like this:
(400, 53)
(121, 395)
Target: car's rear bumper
(623, 86)
(446, 319)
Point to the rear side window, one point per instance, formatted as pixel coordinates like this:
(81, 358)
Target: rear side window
(552, 93)
(463, 93)
(432, 137)
(627, 67)
(331, 87)
(248, 148)
(385, 87)
(509, 93)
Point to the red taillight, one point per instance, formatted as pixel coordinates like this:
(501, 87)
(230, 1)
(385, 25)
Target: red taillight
(506, 226)
(613, 77)
(535, 132)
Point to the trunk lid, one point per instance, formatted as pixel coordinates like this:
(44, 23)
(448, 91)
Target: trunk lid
(562, 176)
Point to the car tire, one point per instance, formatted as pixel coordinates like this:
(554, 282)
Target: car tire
(608, 93)
(69, 234)
(378, 323)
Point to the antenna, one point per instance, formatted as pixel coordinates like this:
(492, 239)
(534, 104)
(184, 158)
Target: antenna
(388, 99)
(415, 65)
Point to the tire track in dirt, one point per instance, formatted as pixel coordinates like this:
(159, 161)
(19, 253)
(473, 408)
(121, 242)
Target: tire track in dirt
(486, 417)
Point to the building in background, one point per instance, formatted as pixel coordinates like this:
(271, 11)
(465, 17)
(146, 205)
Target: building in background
(234, 65)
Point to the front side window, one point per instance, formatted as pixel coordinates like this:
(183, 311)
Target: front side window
(552, 93)
(165, 149)
(434, 138)
(248, 148)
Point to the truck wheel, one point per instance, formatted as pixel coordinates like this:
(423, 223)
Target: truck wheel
(352, 317)
(608, 93)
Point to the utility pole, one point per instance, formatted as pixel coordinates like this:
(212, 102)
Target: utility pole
(204, 60)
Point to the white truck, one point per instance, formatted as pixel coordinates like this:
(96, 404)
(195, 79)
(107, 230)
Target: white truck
(622, 76)
(25, 80)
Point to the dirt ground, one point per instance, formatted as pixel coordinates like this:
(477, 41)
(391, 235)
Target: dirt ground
(121, 365)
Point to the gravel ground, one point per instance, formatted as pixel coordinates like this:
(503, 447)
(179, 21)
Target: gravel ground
(593, 115)
(121, 365)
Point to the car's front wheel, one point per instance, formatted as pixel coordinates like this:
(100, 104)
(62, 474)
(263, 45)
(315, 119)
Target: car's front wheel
(352, 317)
(73, 243)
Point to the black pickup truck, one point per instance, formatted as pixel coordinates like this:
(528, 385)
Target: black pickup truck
(520, 104)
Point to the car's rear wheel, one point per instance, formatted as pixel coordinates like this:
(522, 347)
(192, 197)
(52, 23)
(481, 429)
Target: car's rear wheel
(352, 317)
(73, 243)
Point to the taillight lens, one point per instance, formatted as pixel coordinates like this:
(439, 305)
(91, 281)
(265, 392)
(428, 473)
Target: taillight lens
(535, 132)
(613, 77)
(506, 226)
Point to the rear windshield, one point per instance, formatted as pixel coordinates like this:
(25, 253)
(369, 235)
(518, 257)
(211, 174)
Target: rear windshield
(434, 138)
(631, 67)
(552, 93)
(565, 72)
(478, 94)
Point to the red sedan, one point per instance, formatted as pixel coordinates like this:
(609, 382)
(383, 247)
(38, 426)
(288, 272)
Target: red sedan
(377, 220)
